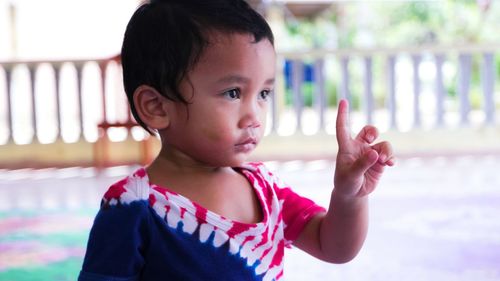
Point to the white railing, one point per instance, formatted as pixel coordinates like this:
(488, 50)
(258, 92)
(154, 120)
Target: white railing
(47, 101)
(397, 89)
(414, 82)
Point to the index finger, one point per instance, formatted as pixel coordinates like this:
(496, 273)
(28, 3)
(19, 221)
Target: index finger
(342, 124)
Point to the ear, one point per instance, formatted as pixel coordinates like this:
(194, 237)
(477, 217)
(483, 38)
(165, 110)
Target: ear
(151, 107)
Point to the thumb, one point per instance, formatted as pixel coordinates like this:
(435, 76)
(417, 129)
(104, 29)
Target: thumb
(365, 162)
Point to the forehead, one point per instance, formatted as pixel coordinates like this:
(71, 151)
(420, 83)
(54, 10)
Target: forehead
(224, 45)
(226, 52)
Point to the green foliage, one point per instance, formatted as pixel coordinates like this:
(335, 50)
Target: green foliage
(308, 94)
(476, 98)
(497, 63)
(366, 24)
(288, 97)
(379, 82)
(305, 33)
(331, 93)
(451, 90)
(395, 23)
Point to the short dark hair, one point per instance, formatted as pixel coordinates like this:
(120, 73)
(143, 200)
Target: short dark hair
(165, 38)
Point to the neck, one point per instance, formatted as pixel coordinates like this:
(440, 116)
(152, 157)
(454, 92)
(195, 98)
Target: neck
(174, 161)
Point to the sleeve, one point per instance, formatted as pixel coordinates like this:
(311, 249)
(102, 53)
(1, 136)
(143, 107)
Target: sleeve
(296, 210)
(116, 243)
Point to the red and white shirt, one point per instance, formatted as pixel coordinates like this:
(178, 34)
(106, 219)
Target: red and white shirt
(174, 238)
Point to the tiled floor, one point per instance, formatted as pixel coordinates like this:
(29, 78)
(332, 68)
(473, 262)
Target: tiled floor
(431, 219)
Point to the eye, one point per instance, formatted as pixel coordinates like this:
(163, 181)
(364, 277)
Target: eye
(264, 95)
(232, 94)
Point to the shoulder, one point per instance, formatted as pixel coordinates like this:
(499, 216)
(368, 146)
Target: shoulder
(124, 207)
(134, 187)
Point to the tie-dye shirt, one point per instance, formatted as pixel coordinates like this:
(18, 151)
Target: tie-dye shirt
(146, 232)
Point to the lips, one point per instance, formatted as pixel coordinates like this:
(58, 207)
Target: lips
(247, 145)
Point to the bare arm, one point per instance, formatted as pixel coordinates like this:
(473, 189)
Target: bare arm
(337, 236)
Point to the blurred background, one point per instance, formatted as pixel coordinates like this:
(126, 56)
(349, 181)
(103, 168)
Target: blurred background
(426, 73)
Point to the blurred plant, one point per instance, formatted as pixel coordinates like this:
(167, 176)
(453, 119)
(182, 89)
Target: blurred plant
(392, 23)
(369, 24)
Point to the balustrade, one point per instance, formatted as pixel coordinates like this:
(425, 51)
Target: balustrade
(387, 87)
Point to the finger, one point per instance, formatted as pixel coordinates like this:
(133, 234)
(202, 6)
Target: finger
(385, 152)
(343, 131)
(364, 163)
(368, 134)
(391, 162)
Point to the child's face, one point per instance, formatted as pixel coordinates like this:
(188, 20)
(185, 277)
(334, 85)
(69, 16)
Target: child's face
(227, 91)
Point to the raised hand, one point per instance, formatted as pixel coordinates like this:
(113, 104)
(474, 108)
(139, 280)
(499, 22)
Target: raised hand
(360, 163)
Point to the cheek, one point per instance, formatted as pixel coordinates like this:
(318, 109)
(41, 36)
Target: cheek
(217, 129)
(263, 116)
(211, 134)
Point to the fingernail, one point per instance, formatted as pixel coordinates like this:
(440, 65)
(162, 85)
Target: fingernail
(369, 138)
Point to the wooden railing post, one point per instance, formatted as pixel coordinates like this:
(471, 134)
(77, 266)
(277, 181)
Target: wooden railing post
(464, 71)
(319, 91)
(488, 81)
(368, 87)
(297, 79)
(440, 90)
(278, 97)
(416, 59)
(10, 122)
(345, 78)
(79, 71)
(273, 107)
(391, 89)
(103, 75)
(57, 80)
(32, 77)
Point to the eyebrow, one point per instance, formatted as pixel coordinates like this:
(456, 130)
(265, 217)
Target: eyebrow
(241, 79)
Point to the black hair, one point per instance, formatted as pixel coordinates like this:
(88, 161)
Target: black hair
(165, 38)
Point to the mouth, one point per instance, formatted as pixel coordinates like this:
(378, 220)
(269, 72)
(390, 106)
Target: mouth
(250, 140)
(247, 145)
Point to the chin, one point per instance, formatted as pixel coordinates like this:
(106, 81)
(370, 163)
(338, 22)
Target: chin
(237, 161)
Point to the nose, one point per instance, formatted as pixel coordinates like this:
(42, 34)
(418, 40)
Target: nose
(250, 115)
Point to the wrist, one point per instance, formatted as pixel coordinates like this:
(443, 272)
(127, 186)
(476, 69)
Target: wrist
(347, 203)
